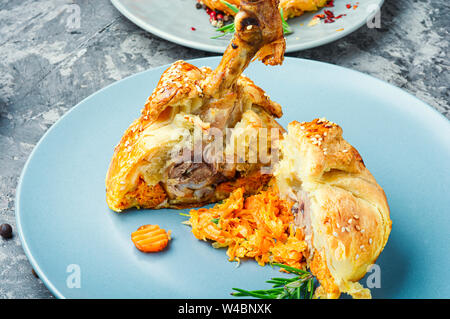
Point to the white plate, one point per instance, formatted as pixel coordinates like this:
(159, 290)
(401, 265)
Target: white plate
(173, 20)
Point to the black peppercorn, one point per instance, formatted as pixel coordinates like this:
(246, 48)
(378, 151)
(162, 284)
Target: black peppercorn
(6, 231)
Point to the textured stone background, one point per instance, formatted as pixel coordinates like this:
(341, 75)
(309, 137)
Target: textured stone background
(45, 69)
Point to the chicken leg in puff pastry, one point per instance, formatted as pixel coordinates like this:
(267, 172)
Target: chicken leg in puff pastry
(341, 209)
(156, 163)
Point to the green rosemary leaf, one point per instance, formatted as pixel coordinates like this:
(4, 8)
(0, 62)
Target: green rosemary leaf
(286, 28)
(242, 293)
(226, 27)
(293, 269)
(277, 282)
(305, 289)
(278, 285)
(215, 220)
(183, 214)
(311, 288)
(229, 30)
(252, 293)
(229, 5)
(268, 291)
(284, 279)
(298, 293)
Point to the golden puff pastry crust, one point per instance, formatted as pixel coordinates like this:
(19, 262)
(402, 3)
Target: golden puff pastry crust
(342, 208)
(179, 90)
(149, 168)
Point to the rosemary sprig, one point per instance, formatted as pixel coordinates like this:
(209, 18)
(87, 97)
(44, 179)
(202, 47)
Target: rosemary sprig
(230, 28)
(299, 287)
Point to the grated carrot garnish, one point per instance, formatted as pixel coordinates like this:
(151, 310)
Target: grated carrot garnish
(259, 227)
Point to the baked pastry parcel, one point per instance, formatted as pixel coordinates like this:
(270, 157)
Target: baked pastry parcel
(291, 8)
(338, 204)
(183, 150)
(323, 210)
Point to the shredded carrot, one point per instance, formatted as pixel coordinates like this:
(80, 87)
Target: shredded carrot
(144, 196)
(320, 270)
(252, 183)
(150, 238)
(259, 227)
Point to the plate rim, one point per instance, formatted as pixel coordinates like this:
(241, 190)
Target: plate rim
(220, 49)
(421, 104)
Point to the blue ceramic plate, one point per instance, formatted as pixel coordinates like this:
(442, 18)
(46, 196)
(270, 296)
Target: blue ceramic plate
(173, 20)
(63, 219)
